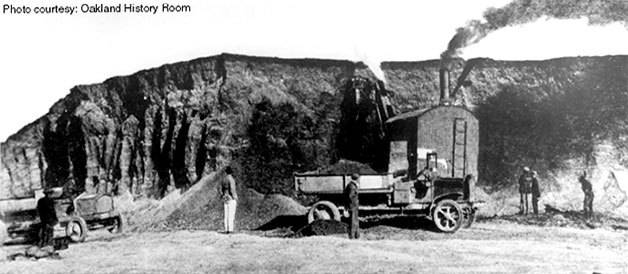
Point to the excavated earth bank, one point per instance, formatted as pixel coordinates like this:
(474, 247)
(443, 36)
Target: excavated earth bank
(156, 133)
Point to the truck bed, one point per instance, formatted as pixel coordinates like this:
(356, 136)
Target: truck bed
(336, 183)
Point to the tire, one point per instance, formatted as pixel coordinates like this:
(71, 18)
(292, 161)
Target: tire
(118, 224)
(447, 216)
(323, 210)
(469, 216)
(76, 230)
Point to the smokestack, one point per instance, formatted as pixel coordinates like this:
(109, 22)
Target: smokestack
(444, 86)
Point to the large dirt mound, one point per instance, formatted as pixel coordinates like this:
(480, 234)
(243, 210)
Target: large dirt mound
(200, 208)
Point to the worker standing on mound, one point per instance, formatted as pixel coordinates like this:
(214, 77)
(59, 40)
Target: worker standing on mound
(351, 194)
(229, 196)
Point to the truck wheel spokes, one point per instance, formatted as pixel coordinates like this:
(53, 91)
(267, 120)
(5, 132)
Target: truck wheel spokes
(447, 216)
(76, 231)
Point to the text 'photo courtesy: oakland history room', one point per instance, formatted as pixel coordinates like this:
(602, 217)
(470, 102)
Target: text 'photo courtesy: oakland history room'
(213, 136)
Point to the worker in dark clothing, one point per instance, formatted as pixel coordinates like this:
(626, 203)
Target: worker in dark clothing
(47, 217)
(536, 193)
(525, 188)
(587, 188)
(351, 194)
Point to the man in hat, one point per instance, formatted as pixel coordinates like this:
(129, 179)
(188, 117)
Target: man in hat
(227, 191)
(525, 188)
(48, 218)
(352, 203)
(587, 188)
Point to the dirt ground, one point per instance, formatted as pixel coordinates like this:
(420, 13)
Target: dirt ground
(489, 246)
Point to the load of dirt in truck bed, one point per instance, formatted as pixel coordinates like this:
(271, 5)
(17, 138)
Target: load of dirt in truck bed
(200, 207)
(345, 167)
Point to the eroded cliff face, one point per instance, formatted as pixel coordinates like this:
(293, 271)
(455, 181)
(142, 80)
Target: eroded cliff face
(164, 128)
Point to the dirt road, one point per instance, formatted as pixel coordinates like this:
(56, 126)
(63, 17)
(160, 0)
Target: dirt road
(487, 247)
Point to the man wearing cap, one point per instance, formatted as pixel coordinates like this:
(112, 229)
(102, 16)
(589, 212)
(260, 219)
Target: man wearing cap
(47, 217)
(525, 188)
(352, 203)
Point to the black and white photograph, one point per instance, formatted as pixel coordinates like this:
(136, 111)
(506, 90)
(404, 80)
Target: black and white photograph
(278, 136)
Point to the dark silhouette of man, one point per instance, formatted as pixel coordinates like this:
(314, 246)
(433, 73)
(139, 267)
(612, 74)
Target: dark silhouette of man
(587, 188)
(48, 218)
(351, 194)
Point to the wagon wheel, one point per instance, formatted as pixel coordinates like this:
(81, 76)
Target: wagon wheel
(117, 225)
(469, 216)
(323, 210)
(76, 229)
(448, 216)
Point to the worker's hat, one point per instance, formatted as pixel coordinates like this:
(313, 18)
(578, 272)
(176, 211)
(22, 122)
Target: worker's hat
(526, 169)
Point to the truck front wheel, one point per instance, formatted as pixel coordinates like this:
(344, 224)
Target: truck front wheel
(76, 229)
(323, 210)
(448, 216)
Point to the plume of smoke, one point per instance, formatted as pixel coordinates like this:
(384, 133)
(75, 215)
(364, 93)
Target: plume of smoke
(598, 12)
(373, 64)
(375, 67)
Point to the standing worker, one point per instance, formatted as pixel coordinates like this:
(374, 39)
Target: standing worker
(536, 193)
(47, 217)
(587, 188)
(227, 191)
(351, 194)
(525, 188)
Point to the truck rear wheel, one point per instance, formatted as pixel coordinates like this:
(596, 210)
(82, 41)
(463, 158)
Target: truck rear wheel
(323, 210)
(448, 216)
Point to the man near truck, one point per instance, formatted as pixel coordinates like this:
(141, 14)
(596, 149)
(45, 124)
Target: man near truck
(352, 203)
(48, 218)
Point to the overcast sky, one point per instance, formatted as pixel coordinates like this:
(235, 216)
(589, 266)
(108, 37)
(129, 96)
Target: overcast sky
(43, 56)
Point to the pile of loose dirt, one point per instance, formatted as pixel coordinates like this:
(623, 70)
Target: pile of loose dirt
(254, 210)
(558, 218)
(200, 207)
(322, 227)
